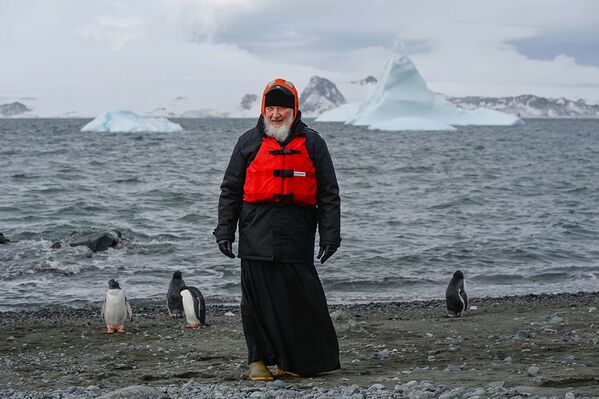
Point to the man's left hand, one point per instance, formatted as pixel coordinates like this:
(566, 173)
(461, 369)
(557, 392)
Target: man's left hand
(325, 253)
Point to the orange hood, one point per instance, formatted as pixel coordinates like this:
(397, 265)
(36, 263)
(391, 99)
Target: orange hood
(286, 85)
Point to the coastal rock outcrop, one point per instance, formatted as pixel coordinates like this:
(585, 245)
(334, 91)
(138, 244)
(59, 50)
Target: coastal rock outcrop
(94, 240)
(4, 239)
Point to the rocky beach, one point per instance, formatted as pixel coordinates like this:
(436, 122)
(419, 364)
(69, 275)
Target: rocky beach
(510, 347)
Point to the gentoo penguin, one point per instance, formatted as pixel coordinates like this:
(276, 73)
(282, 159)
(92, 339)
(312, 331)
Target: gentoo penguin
(194, 306)
(456, 297)
(174, 302)
(116, 308)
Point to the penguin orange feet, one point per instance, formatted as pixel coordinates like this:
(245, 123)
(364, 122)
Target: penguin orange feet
(109, 330)
(280, 371)
(192, 325)
(121, 330)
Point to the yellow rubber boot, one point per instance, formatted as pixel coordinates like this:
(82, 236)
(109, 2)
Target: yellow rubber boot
(259, 372)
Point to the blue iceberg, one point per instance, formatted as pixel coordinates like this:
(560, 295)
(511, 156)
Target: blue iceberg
(127, 121)
(402, 101)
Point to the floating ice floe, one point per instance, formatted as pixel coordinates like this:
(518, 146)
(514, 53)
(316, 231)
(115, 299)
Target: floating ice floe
(402, 101)
(127, 121)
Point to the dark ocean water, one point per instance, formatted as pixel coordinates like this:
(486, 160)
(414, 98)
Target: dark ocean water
(515, 208)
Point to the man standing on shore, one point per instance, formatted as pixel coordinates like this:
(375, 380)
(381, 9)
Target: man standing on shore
(280, 185)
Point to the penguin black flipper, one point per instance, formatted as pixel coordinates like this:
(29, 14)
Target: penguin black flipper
(199, 305)
(174, 303)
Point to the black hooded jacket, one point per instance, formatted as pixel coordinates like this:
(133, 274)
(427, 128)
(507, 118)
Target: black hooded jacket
(279, 232)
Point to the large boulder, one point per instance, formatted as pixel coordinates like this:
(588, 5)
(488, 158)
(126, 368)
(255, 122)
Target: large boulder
(94, 240)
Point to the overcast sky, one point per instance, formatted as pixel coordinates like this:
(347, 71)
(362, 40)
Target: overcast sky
(97, 55)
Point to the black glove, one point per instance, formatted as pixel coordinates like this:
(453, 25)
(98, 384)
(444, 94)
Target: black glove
(325, 253)
(226, 247)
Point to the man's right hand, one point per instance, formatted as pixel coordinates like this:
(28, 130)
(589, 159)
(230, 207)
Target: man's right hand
(226, 247)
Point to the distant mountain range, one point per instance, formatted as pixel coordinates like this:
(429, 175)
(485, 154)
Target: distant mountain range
(322, 94)
(529, 105)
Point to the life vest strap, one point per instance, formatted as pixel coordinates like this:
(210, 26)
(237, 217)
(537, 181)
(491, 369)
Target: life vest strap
(283, 197)
(283, 173)
(284, 151)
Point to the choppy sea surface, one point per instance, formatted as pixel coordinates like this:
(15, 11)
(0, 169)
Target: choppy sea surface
(515, 208)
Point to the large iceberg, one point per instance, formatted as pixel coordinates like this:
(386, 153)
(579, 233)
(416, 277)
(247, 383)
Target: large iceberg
(402, 101)
(127, 121)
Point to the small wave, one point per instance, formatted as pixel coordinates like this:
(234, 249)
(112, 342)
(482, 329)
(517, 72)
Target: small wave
(377, 283)
(55, 267)
(501, 279)
(550, 276)
(133, 179)
(413, 169)
(577, 190)
(460, 201)
(24, 176)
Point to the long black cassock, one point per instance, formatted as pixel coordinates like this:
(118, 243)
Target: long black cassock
(285, 317)
(284, 310)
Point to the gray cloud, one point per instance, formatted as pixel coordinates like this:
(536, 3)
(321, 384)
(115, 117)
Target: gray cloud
(139, 53)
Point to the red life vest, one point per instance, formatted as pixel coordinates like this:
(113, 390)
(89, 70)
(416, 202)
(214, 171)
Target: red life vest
(281, 174)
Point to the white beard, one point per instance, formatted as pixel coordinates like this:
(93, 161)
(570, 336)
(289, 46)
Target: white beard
(278, 133)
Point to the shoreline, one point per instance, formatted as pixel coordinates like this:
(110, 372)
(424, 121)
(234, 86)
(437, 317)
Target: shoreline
(545, 342)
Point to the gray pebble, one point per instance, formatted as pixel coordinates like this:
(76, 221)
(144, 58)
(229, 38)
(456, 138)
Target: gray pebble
(452, 368)
(523, 335)
(278, 384)
(351, 390)
(376, 387)
(454, 393)
(133, 391)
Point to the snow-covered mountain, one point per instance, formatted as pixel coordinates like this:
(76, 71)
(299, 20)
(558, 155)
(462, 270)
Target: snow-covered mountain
(401, 100)
(529, 105)
(13, 109)
(320, 95)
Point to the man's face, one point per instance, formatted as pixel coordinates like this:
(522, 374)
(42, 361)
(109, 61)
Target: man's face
(277, 115)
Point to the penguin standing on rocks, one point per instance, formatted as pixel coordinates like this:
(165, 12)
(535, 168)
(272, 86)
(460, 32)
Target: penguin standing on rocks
(116, 308)
(194, 307)
(174, 302)
(455, 296)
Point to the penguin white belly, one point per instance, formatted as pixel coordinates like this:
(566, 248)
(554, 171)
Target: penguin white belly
(115, 311)
(189, 307)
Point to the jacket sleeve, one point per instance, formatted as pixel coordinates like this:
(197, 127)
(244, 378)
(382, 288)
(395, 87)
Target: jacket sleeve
(328, 201)
(231, 196)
